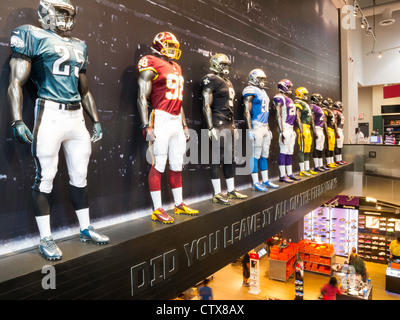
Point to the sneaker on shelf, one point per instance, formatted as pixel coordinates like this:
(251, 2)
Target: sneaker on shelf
(285, 179)
(91, 234)
(312, 172)
(259, 187)
(294, 178)
(49, 249)
(304, 174)
(234, 194)
(270, 184)
(183, 208)
(160, 215)
(219, 198)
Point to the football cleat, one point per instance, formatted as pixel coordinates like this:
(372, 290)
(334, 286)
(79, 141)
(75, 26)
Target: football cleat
(312, 172)
(285, 179)
(160, 215)
(326, 168)
(270, 184)
(332, 165)
(49, 249)
(259, 187)
(319, 169)
(236, 195)
(219, 198)
(90, 234)
(294, 178)
(304, 174)
(183, 208)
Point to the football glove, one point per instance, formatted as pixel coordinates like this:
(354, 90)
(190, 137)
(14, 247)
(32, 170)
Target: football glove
(148, 133)
(236, 133)
(252, 136)
(187, 133)
(212, 134)
(21, 132)
(97, 132)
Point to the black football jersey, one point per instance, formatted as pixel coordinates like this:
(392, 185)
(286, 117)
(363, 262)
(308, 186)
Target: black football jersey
(223, 97)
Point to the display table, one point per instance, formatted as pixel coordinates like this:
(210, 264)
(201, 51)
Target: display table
(351, 284)
(281, 262)
(392, 278)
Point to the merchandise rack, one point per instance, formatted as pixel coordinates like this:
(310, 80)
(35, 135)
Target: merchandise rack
(315, 257)
(281, 265)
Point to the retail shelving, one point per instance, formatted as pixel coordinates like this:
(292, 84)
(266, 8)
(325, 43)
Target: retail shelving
(317, 257)
(281, 262)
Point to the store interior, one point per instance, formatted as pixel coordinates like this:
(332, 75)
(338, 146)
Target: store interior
(323, 247)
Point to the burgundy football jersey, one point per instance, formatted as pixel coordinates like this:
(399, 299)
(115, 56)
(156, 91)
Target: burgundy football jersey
(167, 89)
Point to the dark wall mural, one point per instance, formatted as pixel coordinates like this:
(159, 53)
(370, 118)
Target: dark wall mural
(298, 40)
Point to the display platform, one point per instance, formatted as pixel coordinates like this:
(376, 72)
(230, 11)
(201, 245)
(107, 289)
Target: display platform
(148, 260)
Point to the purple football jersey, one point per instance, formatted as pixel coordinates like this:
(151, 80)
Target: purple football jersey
(288, 108)
(319, 116)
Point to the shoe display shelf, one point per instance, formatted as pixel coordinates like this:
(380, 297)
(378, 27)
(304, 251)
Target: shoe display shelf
(281, 262)
(317, 257)
(336, 226)
(375, 235)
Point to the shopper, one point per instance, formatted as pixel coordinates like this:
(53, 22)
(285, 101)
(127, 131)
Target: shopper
(359, 135)
(394, 248)
(246, 270)
(330, 290)
(358, 263)
(205, 292)
(352, 255)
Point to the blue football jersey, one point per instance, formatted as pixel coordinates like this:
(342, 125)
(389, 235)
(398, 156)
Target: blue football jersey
(56, 61)
(260, 105)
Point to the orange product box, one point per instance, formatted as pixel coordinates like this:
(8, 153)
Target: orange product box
(395, 265)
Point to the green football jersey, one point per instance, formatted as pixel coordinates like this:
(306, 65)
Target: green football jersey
(56, 61)
(306, 114)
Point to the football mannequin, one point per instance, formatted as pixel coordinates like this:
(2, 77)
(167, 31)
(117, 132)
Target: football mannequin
(57, 64)
(218, 97)
(304, 137)
(319, 136)
(331, 131)
(256, 113)
(286, 117)
(338, 111)
(161, 84)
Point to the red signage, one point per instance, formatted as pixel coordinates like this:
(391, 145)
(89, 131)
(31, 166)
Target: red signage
(391, 91)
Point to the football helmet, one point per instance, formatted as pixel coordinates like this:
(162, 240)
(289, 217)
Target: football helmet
(301, 93)
(285, 86)
(56, 14)
(220, 63)
(258, 78)
(316, 98)
(166, 44)
(338, 105)
(327, 103)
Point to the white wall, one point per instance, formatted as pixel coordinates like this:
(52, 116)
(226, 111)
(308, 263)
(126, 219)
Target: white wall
(360, 70)
(385, 70)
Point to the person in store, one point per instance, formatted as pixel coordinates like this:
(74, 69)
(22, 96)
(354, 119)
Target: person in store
(359, 135)
(352, 255)
(246, 270)
(330, 290)
(394, 249)
(358, 263)
(205, 292)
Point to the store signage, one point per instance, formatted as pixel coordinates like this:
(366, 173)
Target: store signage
(162, 267)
